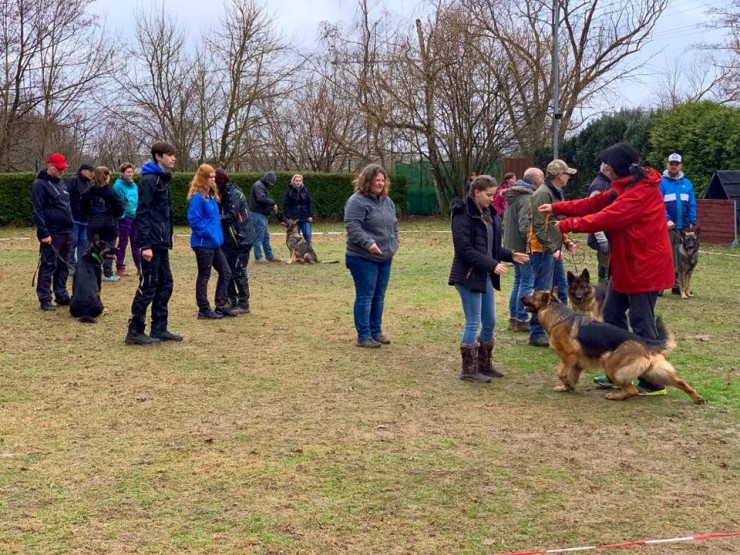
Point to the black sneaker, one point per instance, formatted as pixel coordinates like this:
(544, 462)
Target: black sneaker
(675, 290)
(63, 302)
(227, 311)
(139, 338)
(47, 306)
(539, 341)
(209, 314)
(166, 335)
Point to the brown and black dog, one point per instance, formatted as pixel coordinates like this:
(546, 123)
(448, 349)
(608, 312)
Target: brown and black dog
(585, 298)
(300, 251)
(582, 342)
(688, 257)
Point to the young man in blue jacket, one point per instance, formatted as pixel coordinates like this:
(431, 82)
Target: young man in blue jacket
(154, 216)
(680, 207)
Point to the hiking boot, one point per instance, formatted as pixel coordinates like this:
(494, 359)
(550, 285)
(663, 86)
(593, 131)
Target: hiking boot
(470, 371)
(539, 341)
(243, 308)
(604, 382)
(226, 311)
(274, 260)
(485, 367)
(518, 325)
(47, 306)
(209, 314)
(139, 338)
(111, 278)
(63, 302)
(368, 343)
(166, 335)
(382, 339)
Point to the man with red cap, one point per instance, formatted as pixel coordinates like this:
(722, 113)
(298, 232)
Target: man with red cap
(52, 216)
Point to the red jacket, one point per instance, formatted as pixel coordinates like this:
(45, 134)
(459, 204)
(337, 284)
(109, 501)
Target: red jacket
(633, 218)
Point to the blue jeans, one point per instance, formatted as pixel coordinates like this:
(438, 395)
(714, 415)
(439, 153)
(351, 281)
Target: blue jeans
(479, 310)
(371, 280)
(79, 241)
(522, 286)
(561, 281)
(262, 237)
(543, 270)
(305, 229)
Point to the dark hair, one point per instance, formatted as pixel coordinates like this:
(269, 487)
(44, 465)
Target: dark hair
(161, 147)
(508, 175)
(624, 160)
(124, 167)
(481, 183)
(222, 178)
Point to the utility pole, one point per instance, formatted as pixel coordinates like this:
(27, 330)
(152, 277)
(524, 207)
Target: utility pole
(555, 79)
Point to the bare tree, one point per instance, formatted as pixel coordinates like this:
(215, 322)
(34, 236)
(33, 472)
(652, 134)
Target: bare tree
(726, 55)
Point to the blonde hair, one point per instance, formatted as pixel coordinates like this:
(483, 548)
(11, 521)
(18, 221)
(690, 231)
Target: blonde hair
(363, 183)
(101, 176)
(201, 184)
(292, 179)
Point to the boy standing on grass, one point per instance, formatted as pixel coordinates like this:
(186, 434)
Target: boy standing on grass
(154, 216)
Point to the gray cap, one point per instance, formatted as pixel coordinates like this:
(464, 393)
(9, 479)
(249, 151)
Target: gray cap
(270, 177)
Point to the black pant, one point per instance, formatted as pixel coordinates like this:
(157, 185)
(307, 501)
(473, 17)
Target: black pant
(641, 308)
(207, 259)
(53, 269)
(238, 288)
(155, 288)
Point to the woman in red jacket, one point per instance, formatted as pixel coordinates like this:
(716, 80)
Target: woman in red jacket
(632, 213)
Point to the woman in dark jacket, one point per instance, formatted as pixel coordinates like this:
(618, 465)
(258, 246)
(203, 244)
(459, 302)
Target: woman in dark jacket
(298, 205)
(476, 267)
(103, 208)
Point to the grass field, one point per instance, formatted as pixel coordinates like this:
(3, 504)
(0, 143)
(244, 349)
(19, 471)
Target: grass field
(272, 433)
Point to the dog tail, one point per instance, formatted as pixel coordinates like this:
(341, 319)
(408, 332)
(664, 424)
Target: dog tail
(666, 341)
(87, 319)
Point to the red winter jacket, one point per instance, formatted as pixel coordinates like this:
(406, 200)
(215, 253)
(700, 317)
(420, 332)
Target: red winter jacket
(633, 217)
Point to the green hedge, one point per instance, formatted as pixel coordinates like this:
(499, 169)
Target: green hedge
(329, 192)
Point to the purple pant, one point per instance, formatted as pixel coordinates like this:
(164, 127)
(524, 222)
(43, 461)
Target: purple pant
(128, 229)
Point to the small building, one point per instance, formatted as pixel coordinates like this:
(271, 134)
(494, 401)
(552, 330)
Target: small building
(718, 211)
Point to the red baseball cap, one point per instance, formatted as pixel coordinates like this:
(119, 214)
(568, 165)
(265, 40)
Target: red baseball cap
(57, 160)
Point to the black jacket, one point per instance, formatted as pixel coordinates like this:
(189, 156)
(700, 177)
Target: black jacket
(298, 204)
(77, 185)
(477, 246)
(259, 198)
(52, 214)
(600, 184)
(237, 225)
(103, 206)
(154, 213)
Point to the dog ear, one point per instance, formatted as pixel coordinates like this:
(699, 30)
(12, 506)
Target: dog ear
(585, 275)
(697, 229)
(571, 277)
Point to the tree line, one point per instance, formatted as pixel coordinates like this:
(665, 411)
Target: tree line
(469, 82)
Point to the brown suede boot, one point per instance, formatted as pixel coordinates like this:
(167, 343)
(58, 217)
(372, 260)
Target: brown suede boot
(470, 367)
(485, 351)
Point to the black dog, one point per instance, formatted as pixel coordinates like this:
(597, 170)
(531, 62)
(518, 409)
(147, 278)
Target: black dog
(86, 304)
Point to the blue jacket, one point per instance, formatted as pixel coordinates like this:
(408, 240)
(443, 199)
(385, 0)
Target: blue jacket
(129, 193)
(680, 202)
(204, 218)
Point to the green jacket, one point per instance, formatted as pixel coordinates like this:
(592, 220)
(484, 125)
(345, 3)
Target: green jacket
(543, 237)
(516, 215)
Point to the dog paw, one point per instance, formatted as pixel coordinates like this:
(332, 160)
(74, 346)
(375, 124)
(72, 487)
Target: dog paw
(615, 396)
(700, 401)
(562, 388)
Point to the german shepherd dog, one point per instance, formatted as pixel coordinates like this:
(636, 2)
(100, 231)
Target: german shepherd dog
(582, 342)
(86, 303)
(688, 256)
(585, 298)
(300, 251)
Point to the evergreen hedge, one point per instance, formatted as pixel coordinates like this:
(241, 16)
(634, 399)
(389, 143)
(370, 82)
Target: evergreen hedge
(329, 193)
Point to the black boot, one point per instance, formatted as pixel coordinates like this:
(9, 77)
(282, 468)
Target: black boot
(485, 351)
(134, 337)
(470, 367)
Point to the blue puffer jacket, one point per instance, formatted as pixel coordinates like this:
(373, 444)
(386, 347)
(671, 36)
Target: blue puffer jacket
(205, 222)
(680, 202)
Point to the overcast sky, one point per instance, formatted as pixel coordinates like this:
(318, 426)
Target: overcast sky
(299, 20)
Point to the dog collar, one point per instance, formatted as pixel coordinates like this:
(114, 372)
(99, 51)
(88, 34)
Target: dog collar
(96, 256)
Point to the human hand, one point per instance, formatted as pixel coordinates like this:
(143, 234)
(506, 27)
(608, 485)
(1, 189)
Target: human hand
(520, 257)
(499, 269)
(557, 255)
(604, 247)
(671, 224)
(374, 249)
(46, 240)
(546, 208)
(147, 254)
(557, 225)
(275, 208)
(571, 246)
(310, 220)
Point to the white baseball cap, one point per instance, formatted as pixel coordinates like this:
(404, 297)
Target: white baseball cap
(675, 157)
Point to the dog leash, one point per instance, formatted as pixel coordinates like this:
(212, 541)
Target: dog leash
(58, 257)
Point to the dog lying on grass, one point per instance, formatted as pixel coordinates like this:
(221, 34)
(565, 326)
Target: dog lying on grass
(582, 342)
(86, 303)
(585, 298)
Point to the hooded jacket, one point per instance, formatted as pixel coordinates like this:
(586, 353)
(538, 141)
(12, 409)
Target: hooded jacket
(298, 204)
(476, 237)
(516, 215)
(103, 208)
(679, 198)
(77, 185)
(154, 213)
(238, 229)
(259, 199)
(204, 219)
(633, 215)
(128, 192)
(52, 214)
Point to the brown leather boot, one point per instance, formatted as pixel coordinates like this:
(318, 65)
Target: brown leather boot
(470, 366)
(485, 351)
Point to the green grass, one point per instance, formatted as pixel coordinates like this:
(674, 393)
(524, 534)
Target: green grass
(271, 433)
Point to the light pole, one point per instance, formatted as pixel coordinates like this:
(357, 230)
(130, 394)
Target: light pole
(555, 79)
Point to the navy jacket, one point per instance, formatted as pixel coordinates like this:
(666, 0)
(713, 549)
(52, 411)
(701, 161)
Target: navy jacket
(259, 198)
(52, 214)
(103, 207)
(477, 245)
(77, 185)
(238, 228)
(154, 213)
(298, 204)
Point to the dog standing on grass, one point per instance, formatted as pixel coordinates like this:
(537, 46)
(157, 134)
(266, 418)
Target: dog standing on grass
(582, 342)
(585, 298)
(86, 302)
(688, 257)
